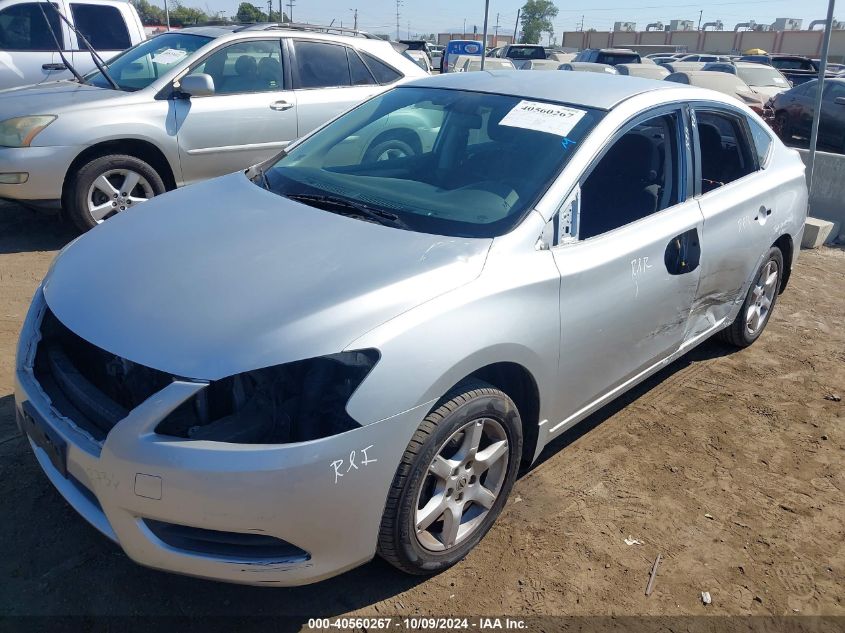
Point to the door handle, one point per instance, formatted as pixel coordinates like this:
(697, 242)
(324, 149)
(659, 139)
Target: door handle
(58, 66)
(281, 105)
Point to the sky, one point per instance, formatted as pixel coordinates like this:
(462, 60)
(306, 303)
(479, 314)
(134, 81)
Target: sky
(434, 16)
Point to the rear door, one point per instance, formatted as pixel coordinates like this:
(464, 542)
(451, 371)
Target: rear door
(832, 121)
(27, 48)
(630, 276)
(105, 29)
(739, 205)
(331, 78)
(250, 117)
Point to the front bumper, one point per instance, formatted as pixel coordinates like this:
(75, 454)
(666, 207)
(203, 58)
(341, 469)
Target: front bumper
(325, 497)
(45, 168)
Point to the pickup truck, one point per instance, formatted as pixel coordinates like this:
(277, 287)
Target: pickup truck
(795, 68)
(28, 53)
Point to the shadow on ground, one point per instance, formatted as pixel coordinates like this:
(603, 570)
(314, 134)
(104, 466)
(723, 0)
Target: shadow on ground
(54, 563)
(24, 230)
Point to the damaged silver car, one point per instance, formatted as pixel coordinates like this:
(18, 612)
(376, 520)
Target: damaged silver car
(270, 377)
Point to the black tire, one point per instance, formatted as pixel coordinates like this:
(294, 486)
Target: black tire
(398, 543)
(737, 333)
(402, 144)
(75, 202)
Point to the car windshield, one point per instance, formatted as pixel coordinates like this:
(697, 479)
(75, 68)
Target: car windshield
(526, 52)
(618, 58)
(447, 162)
(139, 66)
(762, 76)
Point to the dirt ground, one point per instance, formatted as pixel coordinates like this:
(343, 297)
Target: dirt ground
(728, 464)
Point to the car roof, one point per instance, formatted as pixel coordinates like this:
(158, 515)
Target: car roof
(208, 31)
(592, 90)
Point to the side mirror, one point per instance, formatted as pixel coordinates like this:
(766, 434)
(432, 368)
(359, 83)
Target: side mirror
(200, 85)
(839, 101)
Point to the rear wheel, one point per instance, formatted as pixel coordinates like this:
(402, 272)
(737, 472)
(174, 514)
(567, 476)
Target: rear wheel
(391, 146)
(759, 302)
(453, 480)
(107, 185)
(784, 129)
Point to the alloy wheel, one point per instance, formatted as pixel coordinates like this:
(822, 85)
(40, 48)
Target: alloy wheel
(117, 190)
(461, 485)
(762, 297)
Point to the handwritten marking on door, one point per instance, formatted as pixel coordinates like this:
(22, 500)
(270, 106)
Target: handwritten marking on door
(356, 460)
(639, 266)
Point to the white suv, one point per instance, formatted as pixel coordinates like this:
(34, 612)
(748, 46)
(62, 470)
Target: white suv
(28, 52)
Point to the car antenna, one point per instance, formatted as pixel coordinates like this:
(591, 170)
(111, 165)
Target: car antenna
(65, 61)
(98, 61)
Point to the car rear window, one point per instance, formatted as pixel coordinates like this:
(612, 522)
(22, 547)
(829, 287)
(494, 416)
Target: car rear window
(618, 58)
(526, 52)
(101, 25)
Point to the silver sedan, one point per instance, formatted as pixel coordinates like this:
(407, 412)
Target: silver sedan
(272, 376)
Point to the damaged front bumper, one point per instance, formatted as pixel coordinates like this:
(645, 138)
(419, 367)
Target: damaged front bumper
(284, 514)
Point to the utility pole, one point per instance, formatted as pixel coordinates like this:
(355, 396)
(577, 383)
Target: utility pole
(166, 15)
(398, 2)
(269, 10)
(496, 31)
(281, 13)
(409, 30)
(582, 23)
(464, 32)
(355, 14)
(484, 37)
(290, 9)
(516, 26)
(700, 13)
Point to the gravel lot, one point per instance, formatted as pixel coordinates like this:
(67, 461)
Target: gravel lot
(728, 464)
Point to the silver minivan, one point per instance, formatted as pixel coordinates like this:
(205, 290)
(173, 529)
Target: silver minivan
(182, 107)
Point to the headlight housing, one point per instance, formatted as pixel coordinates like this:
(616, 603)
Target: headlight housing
(20, 131)
(295, 402)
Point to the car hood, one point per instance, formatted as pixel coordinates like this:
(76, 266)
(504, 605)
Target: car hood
(224, 277)
(49, 98)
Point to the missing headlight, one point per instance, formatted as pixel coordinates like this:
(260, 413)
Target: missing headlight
(295, 402)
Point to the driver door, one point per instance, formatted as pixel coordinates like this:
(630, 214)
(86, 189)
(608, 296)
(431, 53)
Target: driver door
(249, 118)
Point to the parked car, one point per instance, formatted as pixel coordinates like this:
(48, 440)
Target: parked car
(728, 84)
(703, 57)
(295, 367)
(609, 56)
(470, 63)
(420, 58)
(458, 47)
(764, 80)
(538, 64)
(649, 71)
(521, 51)
(188, 105)
(561, 57)
(794, 111)
(796, 68)
(588, 67)
(677, 67)
(28, 52)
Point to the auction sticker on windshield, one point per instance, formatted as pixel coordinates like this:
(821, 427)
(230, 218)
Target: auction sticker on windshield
(543, 117)
(169, 56)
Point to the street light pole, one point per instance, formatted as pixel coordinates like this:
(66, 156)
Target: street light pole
(516, 27)
(166, 15)
(484, 37)
(814, 132)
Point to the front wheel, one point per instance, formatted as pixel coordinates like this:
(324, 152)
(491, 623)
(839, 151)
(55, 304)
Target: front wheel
(759, 302)
(453, 480)
(107, 185)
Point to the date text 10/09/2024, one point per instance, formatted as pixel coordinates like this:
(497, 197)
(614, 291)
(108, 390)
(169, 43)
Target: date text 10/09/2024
(419, 623)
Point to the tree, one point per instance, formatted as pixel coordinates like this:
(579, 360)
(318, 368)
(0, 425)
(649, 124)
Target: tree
(180, 15)
(248, 12)
(537, 16)
(150, 14)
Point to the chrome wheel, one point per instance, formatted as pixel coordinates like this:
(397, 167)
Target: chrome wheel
(117, 190)
(392, 153)
(462, 483)
(762, 297)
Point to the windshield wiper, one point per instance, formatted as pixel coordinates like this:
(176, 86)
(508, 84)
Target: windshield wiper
(67, 64)
(350, 208)
(98, 61)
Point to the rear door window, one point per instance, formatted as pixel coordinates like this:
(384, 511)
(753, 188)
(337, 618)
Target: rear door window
(724, 151)
(102, 26)
(321, 65)
(23, 27)
(383, 73)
